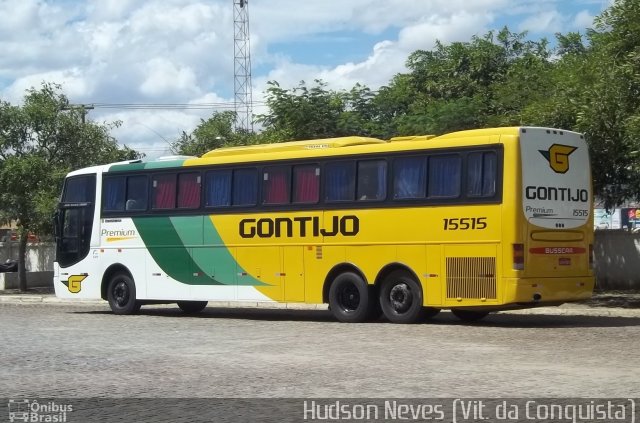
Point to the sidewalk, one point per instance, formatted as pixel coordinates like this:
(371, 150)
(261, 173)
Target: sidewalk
(607, 304)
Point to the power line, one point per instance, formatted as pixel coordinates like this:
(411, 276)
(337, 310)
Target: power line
(169, 106)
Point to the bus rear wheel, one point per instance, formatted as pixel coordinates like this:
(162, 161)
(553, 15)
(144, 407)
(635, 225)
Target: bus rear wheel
(469, 315)
(349, 299)
(121, 294)
(191, 307)
(401, 298)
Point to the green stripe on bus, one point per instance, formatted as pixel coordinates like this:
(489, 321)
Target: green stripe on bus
(167, 249)
(176, 245)
(210, 253)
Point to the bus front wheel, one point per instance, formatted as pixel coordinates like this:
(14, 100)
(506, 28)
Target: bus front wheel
(349, 298)
(190, 307)
(121, 295)
(469, 315)
(401, 298)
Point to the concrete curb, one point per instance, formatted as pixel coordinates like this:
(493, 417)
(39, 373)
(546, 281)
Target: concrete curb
(564, 310)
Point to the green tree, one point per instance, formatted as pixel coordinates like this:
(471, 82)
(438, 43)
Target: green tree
(464, 85)
(40, 142)
(609, 114)
(216, 132)
(303, 112)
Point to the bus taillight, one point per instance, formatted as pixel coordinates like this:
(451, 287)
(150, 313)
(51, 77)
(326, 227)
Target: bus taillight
(518, 256)
(590, 256)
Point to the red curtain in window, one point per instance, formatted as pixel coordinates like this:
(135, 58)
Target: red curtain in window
(307, 184)
(276, 188)
(164, 194)
(188, 191)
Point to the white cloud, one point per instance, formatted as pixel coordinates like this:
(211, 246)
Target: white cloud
(548, 21)
(181, 51)
(583, 20)
(166, 79)
(387, 58)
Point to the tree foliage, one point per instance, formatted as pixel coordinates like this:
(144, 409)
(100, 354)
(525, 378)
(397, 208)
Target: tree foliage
(40, 142)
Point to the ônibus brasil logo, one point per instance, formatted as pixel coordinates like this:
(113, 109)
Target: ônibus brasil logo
(558, 157)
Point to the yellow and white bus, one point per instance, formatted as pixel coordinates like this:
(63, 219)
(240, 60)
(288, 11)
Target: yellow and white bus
(473, 221)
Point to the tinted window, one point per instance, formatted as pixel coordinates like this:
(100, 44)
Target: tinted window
(189, 190)
(410, 177)
(114, 193)
(340, 181)
(79, 189)
(444, 176)
(306, 184)
(137, 193)
(218, 188)
(245, 187)
(372, 180)
(276, 185)
(482, 174)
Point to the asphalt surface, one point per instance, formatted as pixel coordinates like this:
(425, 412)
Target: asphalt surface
(155, 365)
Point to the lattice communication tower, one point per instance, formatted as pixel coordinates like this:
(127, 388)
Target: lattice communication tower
(242, 66)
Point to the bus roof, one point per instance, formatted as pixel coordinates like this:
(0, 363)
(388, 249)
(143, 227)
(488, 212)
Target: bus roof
(320, 144)
(352, 145)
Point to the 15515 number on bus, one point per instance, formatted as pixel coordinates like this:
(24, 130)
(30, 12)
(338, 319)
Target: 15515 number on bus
(464, 223)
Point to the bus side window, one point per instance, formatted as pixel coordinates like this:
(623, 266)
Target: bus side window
(482, 172)
(340, 181)
(444, 176)
(306, 184)
(189, 190)
(137, 193)
(218, 188)
(276, 185)
(372, 180)
(409, 178)
(164, 191)
(114, 193)
(245, 187)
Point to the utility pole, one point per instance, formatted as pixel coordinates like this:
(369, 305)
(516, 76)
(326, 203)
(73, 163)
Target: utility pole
(242, 66)
(82, 107)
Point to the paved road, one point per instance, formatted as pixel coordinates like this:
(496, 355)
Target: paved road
(49, 350)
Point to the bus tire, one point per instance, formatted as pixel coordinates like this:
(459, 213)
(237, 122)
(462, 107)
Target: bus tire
(401, 298)
(469, 315)
(349, 298)
(191, 307)
(121, 294)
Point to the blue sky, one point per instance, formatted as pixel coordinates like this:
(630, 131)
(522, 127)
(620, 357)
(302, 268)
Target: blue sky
(181, 51)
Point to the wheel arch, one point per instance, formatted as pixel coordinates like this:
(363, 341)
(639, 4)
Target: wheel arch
(334, 272)
(108, 274)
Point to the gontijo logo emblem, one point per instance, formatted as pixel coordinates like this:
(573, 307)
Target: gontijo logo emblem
(74, 283)
(558, 157)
